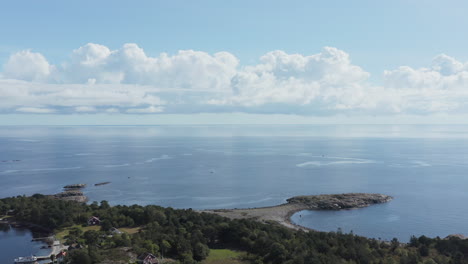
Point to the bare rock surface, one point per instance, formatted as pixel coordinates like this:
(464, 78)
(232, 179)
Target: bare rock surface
(339, 201)
(72, 195)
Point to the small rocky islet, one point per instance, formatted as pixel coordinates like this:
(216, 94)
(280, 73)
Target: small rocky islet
(339, 201)
(74, 186)
(101, 183)
(72, 192)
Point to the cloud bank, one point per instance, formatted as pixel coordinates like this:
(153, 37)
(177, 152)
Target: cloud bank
(97, 79)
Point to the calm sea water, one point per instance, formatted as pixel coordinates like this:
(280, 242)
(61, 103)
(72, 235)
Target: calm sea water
(424, 167)
(16, 242)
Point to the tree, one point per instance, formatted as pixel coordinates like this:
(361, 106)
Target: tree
(424, 251)
(151, 247)
(106, 225)
(79, 257)
(165, 246)
(104, 205)
(200, 251)
(91, 237)
(278, 253)
(394, 243)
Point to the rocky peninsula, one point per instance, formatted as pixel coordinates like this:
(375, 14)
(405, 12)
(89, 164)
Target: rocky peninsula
(282, 213)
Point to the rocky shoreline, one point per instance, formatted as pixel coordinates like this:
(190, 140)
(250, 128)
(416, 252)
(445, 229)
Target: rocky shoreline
(72, 192)
(282, 213)
(71, 195)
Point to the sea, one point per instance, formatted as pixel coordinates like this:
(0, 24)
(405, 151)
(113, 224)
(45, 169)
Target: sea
(18, 242)
(424, 167)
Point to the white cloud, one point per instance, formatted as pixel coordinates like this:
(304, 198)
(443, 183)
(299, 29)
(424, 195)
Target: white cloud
(112, 110)
(326, 79)
(28, 66)
(16, 94)
(187, 69)
(91, 55)
(442, 87)
(445, 73)
(447, 65)
(149, 110)
(85, 109)
(35, 110)
(97, 79)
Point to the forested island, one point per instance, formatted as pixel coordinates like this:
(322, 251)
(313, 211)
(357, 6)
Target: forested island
(188, 236)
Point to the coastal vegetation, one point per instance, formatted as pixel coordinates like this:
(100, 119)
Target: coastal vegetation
(225, 256)
(188, 236)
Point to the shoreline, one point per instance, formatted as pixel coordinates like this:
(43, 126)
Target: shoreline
(21, 224)
(282, 213)
(55, 246)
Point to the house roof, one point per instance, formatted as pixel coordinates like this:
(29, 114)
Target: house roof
(145, 255)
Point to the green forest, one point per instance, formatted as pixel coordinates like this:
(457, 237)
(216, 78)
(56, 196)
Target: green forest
(187, 236)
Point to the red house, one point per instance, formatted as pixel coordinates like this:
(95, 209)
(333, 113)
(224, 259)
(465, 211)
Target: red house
(94, 221)
(61, 256)
(147, 258)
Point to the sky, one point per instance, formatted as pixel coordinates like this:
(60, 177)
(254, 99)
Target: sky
(196, 62)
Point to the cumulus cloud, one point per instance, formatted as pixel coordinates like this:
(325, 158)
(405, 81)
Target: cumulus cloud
(187, 69)
(440, 87)
(126, 80)
(28, 66)
(327, 79)
(445, 73)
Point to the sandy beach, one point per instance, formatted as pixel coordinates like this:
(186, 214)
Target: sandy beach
(281, 214)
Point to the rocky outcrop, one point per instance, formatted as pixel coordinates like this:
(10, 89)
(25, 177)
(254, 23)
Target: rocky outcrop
(72, 193)
(455, 236)
(76, 196)
(339, 201)
(101, 183)
(74, 186)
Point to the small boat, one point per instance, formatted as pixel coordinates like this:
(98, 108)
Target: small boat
(26, 260)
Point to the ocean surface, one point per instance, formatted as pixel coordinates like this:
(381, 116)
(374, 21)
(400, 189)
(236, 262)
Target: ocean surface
(425, 168)
(16, 242)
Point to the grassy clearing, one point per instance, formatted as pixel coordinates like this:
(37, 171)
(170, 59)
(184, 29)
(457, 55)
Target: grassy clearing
(64, 232)
(224, 256)
(129, 230)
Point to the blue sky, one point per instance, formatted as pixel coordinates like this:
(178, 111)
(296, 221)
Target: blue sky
(385, 59)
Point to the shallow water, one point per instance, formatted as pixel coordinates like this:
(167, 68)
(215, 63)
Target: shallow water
(16, 242)
(423, 167)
